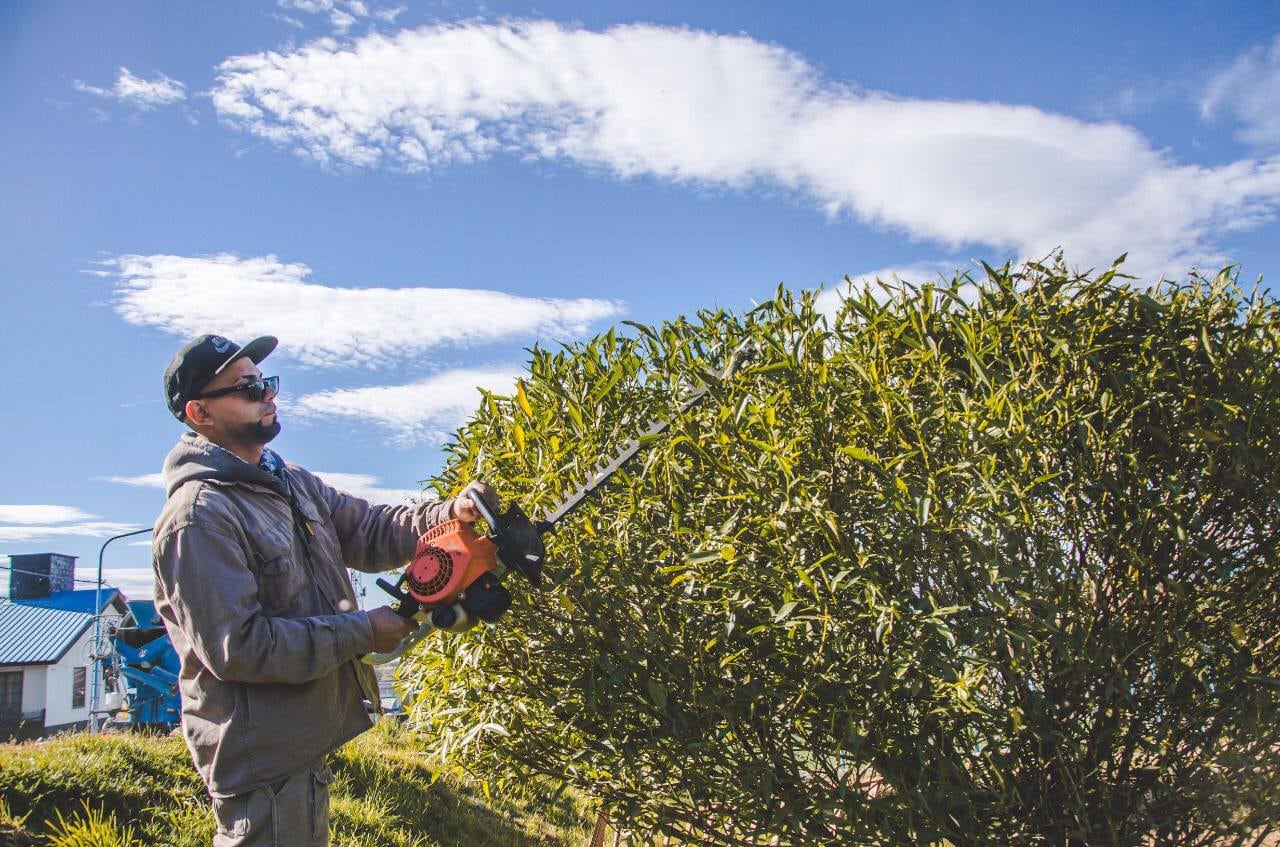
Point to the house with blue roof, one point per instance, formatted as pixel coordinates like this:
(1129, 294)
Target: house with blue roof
(48, 670)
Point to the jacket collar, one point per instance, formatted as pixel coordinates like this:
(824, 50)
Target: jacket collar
(197, 458)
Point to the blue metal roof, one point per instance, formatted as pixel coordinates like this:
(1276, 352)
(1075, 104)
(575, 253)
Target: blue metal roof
(80, 600)
(36, 635)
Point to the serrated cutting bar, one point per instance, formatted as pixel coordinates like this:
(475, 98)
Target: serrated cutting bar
(628, 451)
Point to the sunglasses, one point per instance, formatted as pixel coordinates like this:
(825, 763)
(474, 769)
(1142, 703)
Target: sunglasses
(255, 389)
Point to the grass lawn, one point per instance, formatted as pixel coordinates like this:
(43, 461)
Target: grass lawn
(77, 790)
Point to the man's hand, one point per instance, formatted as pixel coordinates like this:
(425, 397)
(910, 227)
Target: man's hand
(389, 629)
(464, 506)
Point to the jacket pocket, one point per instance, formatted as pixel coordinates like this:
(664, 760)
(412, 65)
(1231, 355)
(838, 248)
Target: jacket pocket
(232, 815)
(320, 779)
(280, 578)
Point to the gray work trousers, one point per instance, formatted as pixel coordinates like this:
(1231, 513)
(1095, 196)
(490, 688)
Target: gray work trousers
(292, 813)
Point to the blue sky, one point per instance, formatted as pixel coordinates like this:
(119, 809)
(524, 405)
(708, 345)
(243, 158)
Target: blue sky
(409, 195)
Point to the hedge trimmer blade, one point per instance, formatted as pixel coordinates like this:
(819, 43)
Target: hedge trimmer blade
(519, 539)
(603, 472)
(629, 450)
(515, 541)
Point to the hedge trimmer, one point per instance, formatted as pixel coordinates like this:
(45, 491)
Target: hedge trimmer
(453, 576)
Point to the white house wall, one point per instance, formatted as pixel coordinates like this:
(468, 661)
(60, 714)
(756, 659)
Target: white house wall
(57, 710)
(47, 688)
(60, 677)
(33, 686)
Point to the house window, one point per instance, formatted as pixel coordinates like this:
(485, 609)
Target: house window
(77, 688)
(10, 699)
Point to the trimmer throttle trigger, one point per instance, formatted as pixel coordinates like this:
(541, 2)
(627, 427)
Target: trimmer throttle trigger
(408, 607)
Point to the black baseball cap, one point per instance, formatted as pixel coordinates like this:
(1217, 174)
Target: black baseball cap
(195, 365)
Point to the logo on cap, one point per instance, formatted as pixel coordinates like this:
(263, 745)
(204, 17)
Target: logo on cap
(220, 344)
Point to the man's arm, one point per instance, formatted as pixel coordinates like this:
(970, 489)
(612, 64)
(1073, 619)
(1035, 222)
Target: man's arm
(213, 597)
(377, 537)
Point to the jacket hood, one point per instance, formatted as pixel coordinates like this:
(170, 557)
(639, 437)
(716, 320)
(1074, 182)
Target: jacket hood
(196, 457)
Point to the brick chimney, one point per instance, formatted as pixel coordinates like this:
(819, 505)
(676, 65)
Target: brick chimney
(37, 575)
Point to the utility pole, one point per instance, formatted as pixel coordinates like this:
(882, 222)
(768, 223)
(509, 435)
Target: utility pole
(97, 630)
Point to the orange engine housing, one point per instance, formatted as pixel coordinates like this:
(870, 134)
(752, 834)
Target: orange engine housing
(448, 559)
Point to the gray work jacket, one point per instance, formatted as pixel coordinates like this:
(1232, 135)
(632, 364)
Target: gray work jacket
(255, 596)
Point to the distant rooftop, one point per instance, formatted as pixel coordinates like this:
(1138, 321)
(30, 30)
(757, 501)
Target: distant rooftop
(79, 600)
(36, 635)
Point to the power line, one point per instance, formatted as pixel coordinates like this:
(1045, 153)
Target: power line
(38, 573)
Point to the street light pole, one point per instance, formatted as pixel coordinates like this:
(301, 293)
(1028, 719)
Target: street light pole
(97, 627)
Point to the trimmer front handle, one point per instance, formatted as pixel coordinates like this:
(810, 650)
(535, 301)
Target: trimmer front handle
(519, 540)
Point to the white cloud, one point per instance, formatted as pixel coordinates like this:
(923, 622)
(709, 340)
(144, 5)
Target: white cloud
(326, 326)
(40, 514)
(286, 19)
(1249, 91)
(726, 110)
(341, 21)
(367, 487)
(830, 298)
(311, 6)
(93, 529)
(23, 523)
(144, 94)
(343, 14)
(422, 411)
(136, 583)
(146, 480)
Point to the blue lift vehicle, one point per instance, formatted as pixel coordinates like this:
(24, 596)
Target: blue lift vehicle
(142, 672)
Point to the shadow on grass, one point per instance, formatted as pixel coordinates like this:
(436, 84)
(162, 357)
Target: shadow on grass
(384, 791)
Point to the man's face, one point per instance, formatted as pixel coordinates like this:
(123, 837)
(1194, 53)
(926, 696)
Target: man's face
(234, 416)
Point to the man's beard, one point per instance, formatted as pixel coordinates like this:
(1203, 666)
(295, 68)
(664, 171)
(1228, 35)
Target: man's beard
(256, 433)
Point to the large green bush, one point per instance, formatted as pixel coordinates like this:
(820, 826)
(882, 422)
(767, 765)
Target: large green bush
(987, 563)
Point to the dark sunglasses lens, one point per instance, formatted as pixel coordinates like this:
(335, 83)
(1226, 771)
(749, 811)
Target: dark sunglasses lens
(258, 389)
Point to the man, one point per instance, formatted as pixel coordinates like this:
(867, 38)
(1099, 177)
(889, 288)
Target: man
(250, 557)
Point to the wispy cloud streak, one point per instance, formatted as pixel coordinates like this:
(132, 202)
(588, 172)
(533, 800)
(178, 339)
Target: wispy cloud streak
(34, 522)
(422, 411)
(726, 110)
(144, 94)
(149, 480)
(368, 487)
(1249, 91)
(327, 326)
(135, 583)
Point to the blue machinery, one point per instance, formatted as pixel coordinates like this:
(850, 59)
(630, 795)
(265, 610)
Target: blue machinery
(141, 672)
